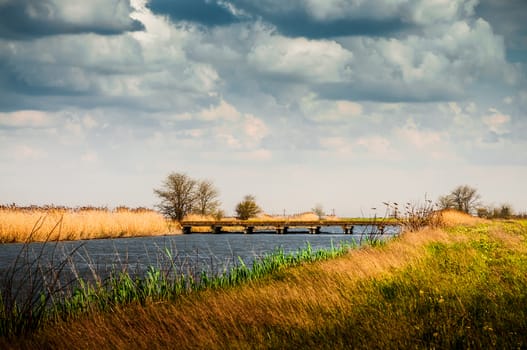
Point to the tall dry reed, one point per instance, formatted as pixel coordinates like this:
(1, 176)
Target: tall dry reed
(17, 224)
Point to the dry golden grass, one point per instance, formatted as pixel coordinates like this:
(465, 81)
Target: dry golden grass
(197, 217)
(453, 217)
(304, 217)
(309, 216)
(20, 225)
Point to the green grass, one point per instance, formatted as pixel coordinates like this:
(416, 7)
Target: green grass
(466, 294)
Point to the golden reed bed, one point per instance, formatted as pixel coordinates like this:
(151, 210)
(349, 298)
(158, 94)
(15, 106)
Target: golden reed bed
(48, 224)
(39, 224)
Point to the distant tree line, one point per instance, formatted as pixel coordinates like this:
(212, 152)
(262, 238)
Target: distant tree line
(182, 195)
(503, 211)
(467, 199)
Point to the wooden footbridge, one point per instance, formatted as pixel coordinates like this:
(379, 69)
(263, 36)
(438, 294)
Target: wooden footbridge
(283, 226)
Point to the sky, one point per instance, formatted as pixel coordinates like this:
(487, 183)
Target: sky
(339, 103)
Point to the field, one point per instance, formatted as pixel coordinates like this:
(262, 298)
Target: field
(461, 286)
(21, 224)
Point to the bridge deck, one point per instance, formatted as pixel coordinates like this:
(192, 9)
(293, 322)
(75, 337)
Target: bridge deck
(283, 226)
(286, 223)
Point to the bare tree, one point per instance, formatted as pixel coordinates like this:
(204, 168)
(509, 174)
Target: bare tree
(445, 202)
(177, 196)
(206, 198)
(181, 195)
(505, 211)
(247, 208)
(463, 198)
(319, 210)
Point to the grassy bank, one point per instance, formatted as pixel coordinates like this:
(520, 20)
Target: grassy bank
(20, 224)
(464, 286)
(35, 294)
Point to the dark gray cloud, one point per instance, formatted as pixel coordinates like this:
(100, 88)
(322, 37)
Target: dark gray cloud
(206, 12)
(26, 19)
(296, 21)
(388, 92)
(507, 17)
(289, 20)
(300, 24)
(15, 83)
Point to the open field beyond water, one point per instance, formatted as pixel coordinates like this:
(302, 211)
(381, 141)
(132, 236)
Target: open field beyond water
(463, 286)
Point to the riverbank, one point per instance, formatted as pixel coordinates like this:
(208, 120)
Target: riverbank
(40, 224)
(457, 287)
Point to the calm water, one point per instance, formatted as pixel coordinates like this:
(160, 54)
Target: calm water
(188, 254)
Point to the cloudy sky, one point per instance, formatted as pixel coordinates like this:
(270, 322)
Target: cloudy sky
(343, 103)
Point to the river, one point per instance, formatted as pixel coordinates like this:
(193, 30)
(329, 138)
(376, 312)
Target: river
(183, 254)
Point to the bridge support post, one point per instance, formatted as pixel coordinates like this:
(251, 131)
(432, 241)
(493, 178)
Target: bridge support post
(351, 230)
(216, 229)
(317, 230)
(345, 229)
(249, 230)
(187, 230)
(381, 229)
(284, 231)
